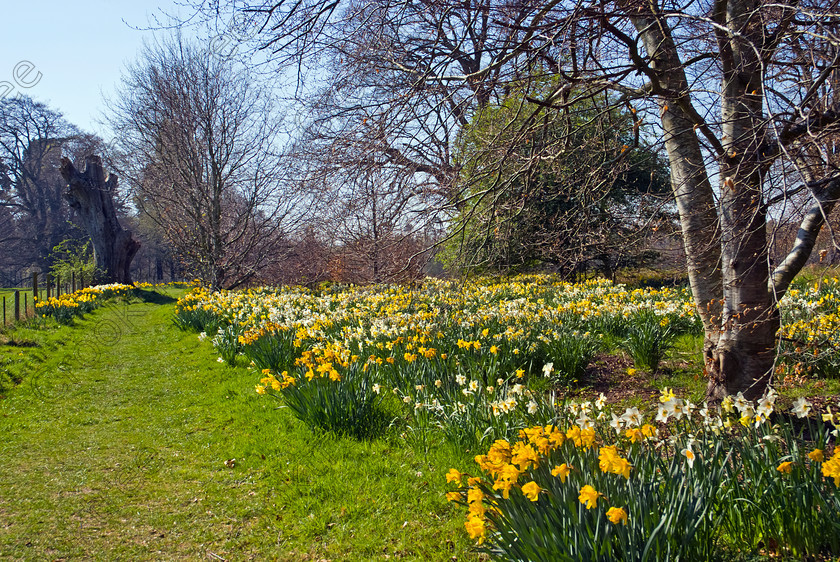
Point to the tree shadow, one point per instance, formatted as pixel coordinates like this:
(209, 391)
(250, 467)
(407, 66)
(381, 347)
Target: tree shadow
(154, 297)
(12, 342)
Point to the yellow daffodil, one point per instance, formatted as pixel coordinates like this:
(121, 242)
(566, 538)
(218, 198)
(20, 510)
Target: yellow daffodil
(454, 476)
(562, 471)
(531, 490)
(589, 497)
(785, 467)
(476, 529)
(616, 515)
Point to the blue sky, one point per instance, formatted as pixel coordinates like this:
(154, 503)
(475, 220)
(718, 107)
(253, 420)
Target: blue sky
(79, 48)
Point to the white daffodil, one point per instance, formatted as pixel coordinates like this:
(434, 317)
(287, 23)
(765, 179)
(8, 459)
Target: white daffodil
(801, 407)
(632, 417)
(601, 402)
(584, 421)
(617, 423)
(765, 406)
(689, 455)
(742, 403)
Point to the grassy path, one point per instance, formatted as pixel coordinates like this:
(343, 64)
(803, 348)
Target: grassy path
(120, 442)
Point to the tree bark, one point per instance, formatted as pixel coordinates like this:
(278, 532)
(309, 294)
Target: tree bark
(726, 246)
(746, 350)
(91, 194)
(689, 180)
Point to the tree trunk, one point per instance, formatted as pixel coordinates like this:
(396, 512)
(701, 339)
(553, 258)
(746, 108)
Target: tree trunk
(726, 246)
(690, 183)
(746, 349)
(744, 357)
(91, 194)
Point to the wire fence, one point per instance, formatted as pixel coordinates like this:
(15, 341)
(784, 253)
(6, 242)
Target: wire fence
(20, 291)
(17, 305)
(23, 292)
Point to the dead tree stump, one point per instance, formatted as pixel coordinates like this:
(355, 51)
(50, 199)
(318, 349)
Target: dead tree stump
(91, 194)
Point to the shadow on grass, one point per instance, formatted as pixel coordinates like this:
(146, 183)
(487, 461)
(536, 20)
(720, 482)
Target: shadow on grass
(18, 343)
(154, 297)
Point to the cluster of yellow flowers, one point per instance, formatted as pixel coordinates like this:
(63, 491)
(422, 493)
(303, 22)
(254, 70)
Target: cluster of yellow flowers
(393, 321)
(252, 335)
(507, 466)
(322, 361)
(479, 338)
(399, 326)
(831, 467)
(269, 379)
(811, 330)
(63, 301)
(64, 307)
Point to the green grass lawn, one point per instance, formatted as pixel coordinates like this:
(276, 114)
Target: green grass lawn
(125, 439)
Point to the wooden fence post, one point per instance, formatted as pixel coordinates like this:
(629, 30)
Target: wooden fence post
(73, 281)
(57, 286)
(34, 287)
(49, 286)
(17, 306)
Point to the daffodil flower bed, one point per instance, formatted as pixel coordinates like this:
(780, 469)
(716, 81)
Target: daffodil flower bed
(457, 358)
(810, 334)
(679, 484)
(495, 333)
(71, 305)
(519, 324)
(462, 363)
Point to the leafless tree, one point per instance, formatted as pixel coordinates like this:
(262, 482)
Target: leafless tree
(741, 93)
(91, 193)
(374, 232)
(201, 141)
(372, 117)
(32, 140)
(367, 207)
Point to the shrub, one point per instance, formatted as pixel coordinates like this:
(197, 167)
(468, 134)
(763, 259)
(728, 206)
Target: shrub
(71, 258)
(649, 338)
(345, 404)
